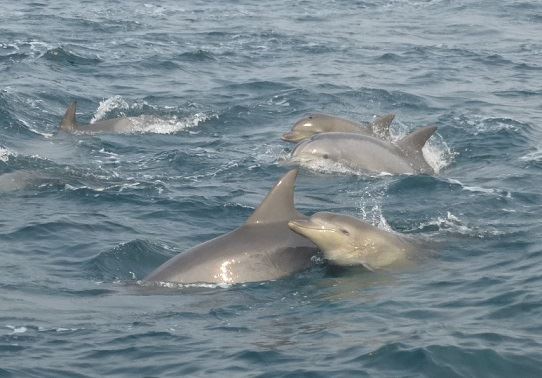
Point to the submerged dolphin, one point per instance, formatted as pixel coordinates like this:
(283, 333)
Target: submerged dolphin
(348, 241)
(115, 125)
(21, 180)
(262, 249)
(323, 123)
(363, 152)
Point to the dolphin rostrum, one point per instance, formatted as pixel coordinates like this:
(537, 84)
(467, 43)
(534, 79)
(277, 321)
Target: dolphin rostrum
(366, 153)
(324, 123)
(119, 125)
(262, 249)
(348, 241)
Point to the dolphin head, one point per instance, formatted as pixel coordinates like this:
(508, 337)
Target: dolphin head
(307, 127)
(344, 240)
(315, 148)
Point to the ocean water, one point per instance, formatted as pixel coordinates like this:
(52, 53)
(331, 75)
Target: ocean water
(83, 218)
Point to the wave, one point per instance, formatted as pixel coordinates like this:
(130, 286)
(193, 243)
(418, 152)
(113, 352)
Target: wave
(446, 360)
(67, 57)
(130, 261)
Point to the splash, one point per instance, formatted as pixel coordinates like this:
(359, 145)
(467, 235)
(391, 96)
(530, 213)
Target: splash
(107, 105)
(436, 152)
(147, 124)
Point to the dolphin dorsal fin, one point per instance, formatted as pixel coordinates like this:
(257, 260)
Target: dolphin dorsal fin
(417, 139)
(278, 205)
(68, 122)
(381, 125)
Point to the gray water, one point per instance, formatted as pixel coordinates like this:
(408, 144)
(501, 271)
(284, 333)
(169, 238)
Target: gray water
(85, 217)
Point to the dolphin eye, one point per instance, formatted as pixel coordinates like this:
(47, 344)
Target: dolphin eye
(344, 231)
(326, 156)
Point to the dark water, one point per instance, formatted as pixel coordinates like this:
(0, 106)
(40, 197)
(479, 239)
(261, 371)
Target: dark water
(83, 218)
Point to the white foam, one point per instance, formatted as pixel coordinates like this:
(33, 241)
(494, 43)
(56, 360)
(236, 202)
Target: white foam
(479, 189)
(15, 329)
(534, 156)
(107, 105)
(453, 224)
(5, 154)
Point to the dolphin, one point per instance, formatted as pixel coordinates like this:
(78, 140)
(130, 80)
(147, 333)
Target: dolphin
(262, 249)
(363, 152)
(347, 241)
(21, 180)
(324, 123)
(122, 125)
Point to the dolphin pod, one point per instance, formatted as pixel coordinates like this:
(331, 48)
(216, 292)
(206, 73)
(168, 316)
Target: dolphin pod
(323, 123)
(348, 241)
(262, 249)
(276, 240)
(114, 126)
(363, 152)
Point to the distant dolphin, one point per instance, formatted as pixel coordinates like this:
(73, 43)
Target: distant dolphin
(348, 241)
(362, 152)
(324, 123)
(262, 249)
(115, 125)
(21, 180)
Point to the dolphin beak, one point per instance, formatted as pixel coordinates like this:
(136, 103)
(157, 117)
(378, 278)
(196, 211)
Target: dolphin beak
(299, 223)
(299, 226)
(291, 136)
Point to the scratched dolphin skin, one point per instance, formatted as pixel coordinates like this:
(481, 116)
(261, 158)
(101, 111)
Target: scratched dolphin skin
(262, 249)
(366, 153)
(323, 123)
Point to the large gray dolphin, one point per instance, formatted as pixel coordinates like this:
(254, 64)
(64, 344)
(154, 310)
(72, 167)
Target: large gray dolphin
(366, 153)
(262, 249)
(348, 241)
(324, 123)
(120, 125)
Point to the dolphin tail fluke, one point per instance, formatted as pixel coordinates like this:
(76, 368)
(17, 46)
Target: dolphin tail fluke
(381, 125)
(278, 205)
(68, 122)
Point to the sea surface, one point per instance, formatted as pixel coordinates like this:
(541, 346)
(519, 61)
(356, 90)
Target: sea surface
(84, 218)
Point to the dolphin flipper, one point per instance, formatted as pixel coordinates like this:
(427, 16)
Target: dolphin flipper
(279, 203)
(68, 122)
(381, 125)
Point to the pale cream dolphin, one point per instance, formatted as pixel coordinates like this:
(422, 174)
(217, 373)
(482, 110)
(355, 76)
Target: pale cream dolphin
(348, 241)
